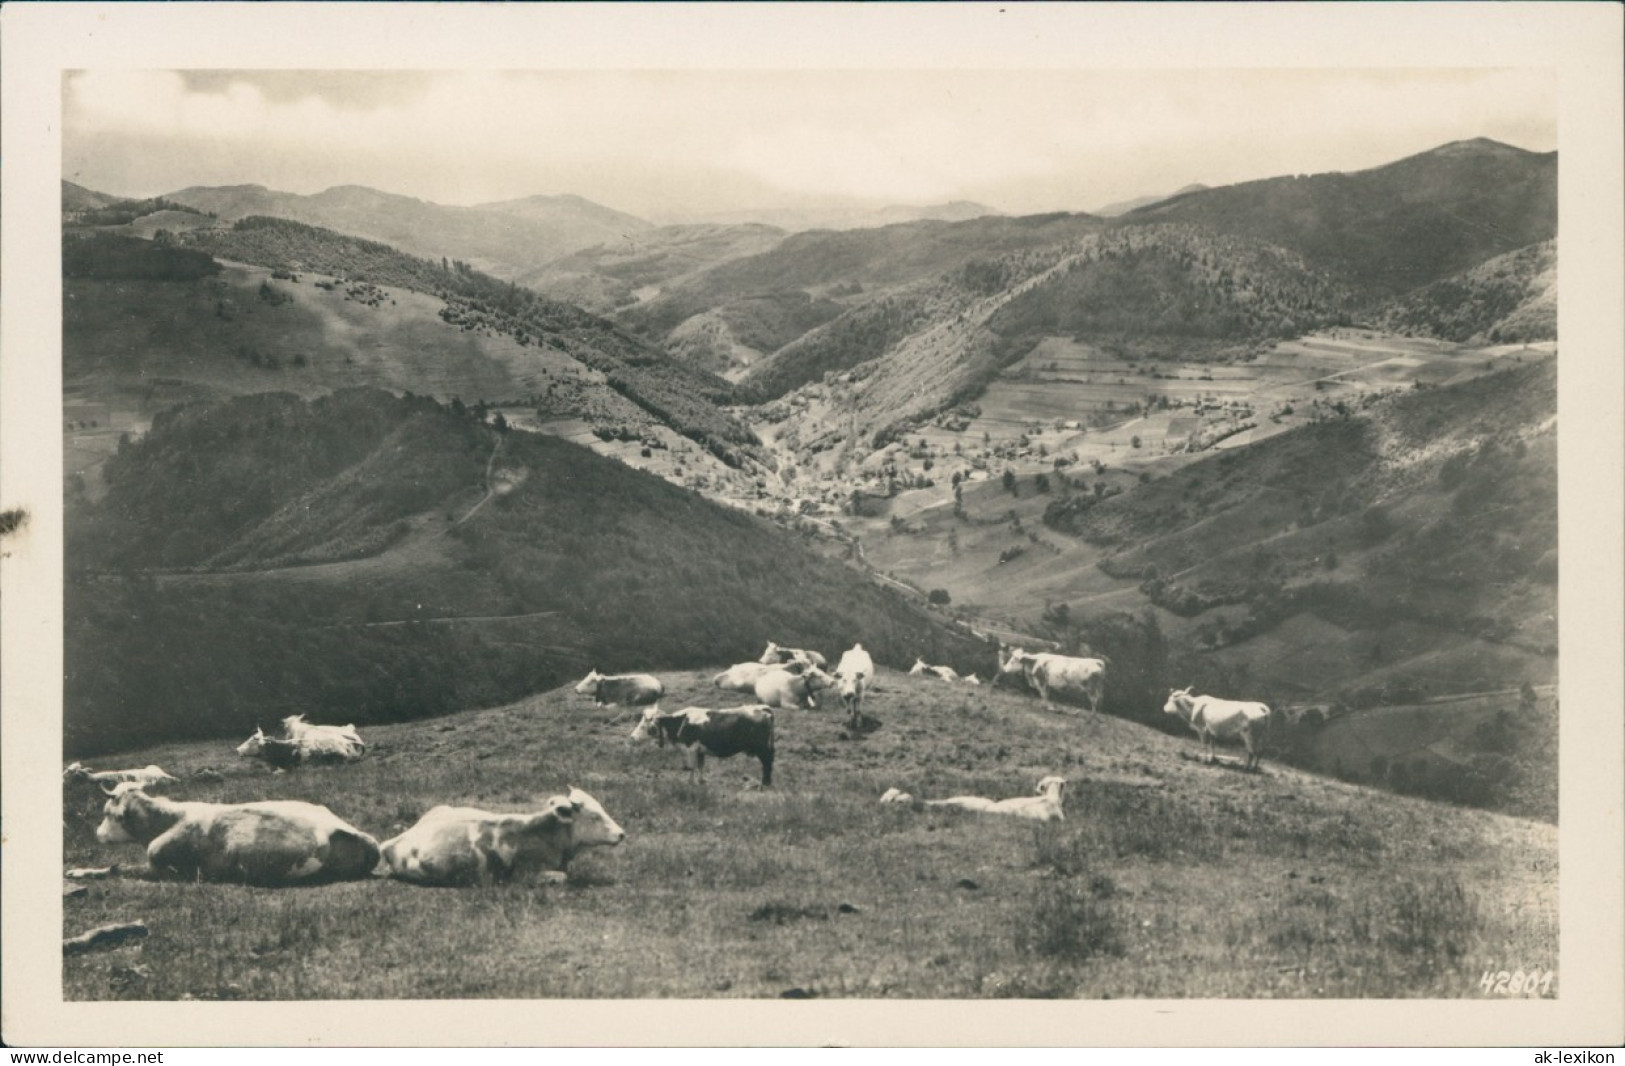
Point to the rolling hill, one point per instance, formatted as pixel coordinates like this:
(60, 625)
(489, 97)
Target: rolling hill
(636, 267)
(384, 558)
(673, 393)
(813, 889)
(1391, 228)
(505, 239)
(1509, 299)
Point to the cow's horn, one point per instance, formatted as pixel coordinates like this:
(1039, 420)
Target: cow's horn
(109, 787)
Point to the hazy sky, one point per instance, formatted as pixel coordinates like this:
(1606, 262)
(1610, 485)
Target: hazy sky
(669, 144)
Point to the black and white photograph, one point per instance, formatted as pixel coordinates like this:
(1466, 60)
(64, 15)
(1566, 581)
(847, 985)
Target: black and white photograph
(630, 525)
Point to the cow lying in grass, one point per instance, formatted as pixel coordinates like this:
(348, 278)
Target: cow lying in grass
(776, 653)
(304, 743)
(792, 685)
(612, 690)
(1043, 807)
(275, 842)
(464, 845)
(1213, 719)
(701, 732)
(921, 668)
(150, 777)
(742, 677)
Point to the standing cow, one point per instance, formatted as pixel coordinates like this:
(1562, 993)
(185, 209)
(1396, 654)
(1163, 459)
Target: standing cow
(1214, 719)
(633, 690)
(852, 677)
(701, 732)
(1048, 673)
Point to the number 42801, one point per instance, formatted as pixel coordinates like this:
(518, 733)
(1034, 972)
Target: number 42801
(1517, 982)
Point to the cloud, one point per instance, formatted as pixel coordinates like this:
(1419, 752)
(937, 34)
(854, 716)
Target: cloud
(1026, 140)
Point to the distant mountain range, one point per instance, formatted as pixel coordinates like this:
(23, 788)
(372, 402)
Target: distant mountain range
(1123, 207)
(506, 239)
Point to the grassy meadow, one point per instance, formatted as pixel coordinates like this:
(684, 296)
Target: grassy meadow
(1169, 878)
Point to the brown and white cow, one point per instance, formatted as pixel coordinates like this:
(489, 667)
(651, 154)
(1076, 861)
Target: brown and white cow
(613, 690)
(701, 732)
(465, 845)
(273, 842)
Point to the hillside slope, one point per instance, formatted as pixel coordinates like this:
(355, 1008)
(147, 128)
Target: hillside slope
(1395, 227)
(506, 240)
(383, 558)
(812, 888)
(681, 396)
(1510, 299)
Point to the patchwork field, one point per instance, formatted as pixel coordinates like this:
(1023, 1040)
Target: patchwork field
(813, 888)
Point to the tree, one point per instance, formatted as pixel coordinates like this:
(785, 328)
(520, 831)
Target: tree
(1009, 482)
(939, 597)
(1042, 483)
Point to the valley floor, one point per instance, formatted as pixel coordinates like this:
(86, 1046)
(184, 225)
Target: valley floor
(1168, 878)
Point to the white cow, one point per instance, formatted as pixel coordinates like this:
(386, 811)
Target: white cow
(971, 679)
(852, 676)
(786, 687)
(634, 690)
(1047, 672)
(777, 654)
(1045, 806)
(150, 777)
(323, 743)
(274, 842)
(742, 677)
(1214, 719)
(942, 673)
(464, 845)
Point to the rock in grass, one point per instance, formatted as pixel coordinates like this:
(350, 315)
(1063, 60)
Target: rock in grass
(103, 938)
(90, 873)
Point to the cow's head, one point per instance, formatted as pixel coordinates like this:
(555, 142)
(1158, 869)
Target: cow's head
(254, 745)
(1052, 786)
(132, 816)
(918, 668)
(771, 655)
(593, 827)
(589, 684)
(293, 724)
(1015, 664)
(76, 772)
(646, 726)
(971, 679)
(1179, 702)
(817, 679)
(850, 685)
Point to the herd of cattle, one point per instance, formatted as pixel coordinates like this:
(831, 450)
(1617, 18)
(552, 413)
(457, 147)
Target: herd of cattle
(289, 841)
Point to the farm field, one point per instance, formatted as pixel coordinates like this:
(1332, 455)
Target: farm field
(813, 888)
